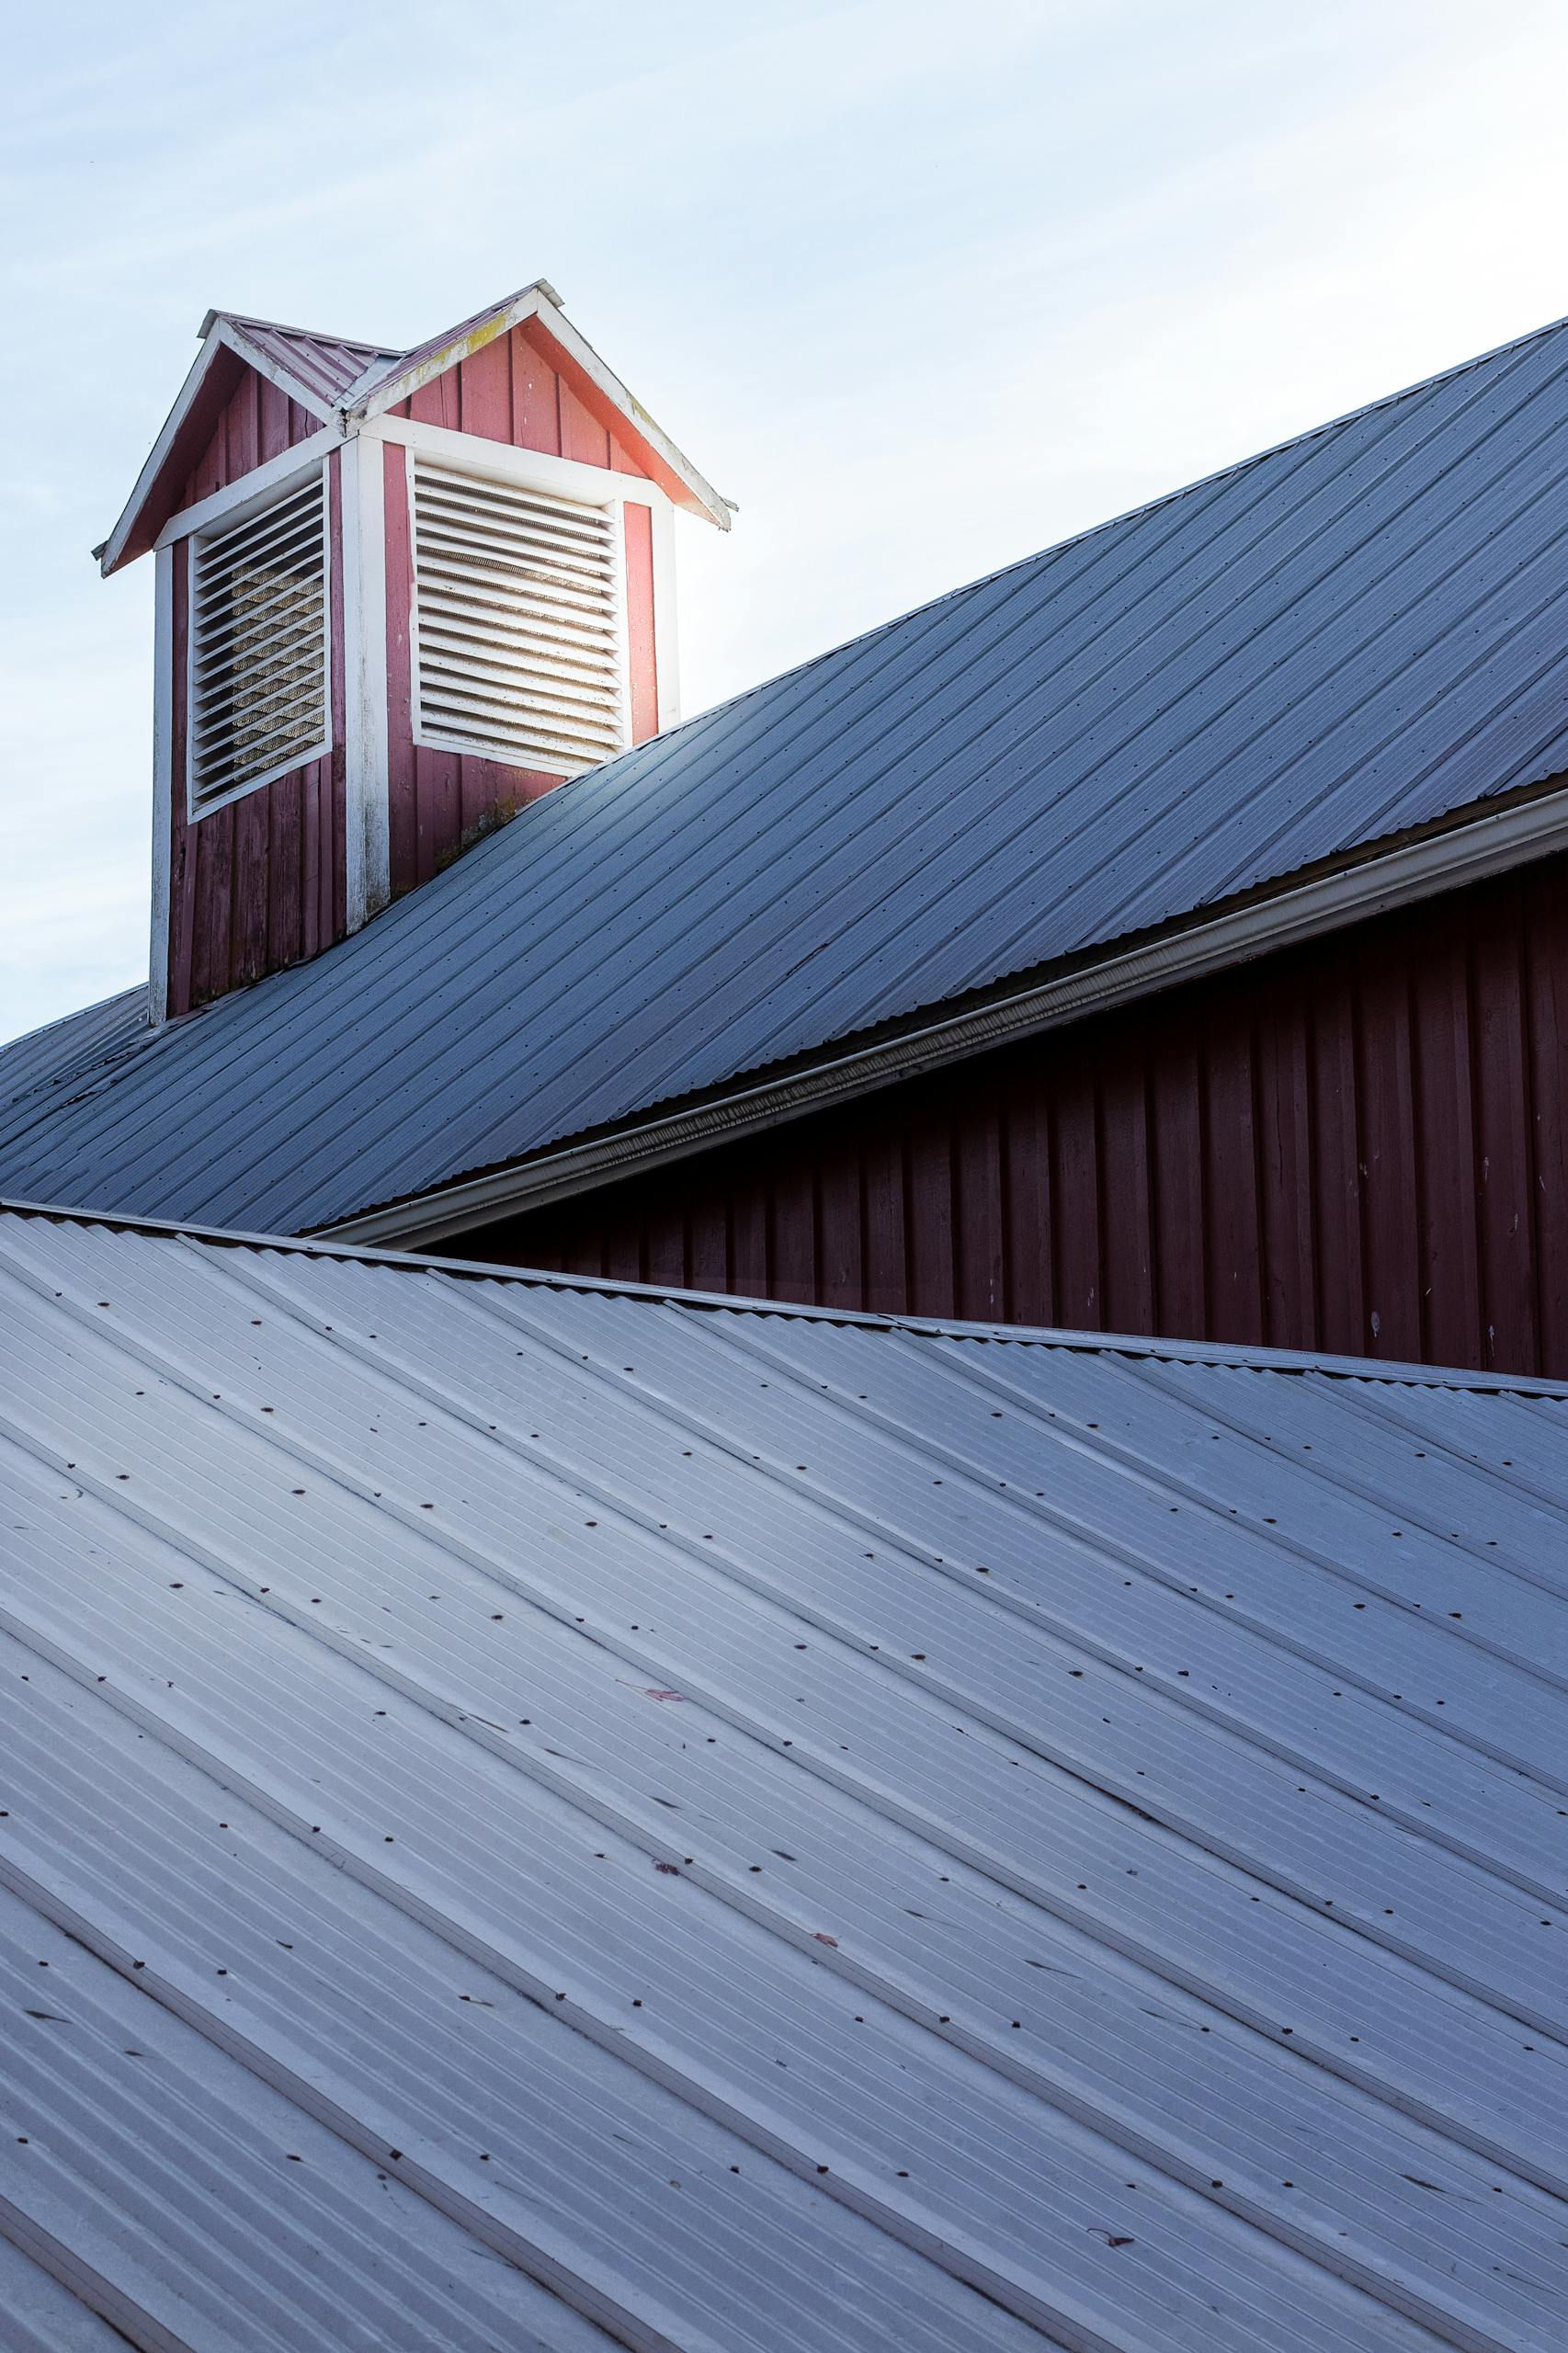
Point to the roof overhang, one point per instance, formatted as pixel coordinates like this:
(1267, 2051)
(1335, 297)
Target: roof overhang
(1478, 844)
(226, 350)
(538, 307)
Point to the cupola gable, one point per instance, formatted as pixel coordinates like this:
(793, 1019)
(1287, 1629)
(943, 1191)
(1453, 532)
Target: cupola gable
(399, 596)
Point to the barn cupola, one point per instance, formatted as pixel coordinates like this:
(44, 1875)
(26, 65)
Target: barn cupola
(399, 595)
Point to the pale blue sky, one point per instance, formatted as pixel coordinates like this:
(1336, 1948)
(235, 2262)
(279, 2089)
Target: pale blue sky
(923, 287)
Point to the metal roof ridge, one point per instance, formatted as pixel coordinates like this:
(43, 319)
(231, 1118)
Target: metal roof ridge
(308, 335)
(1216, 1352)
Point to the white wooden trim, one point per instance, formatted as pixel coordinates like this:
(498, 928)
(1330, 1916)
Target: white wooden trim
(1468, 851)
(526, 469)
(218, 337)
(541, 302)
(368, 844)
(667, 630)
(163, 783)
(193, 815)
(229, 505)
(113, 548)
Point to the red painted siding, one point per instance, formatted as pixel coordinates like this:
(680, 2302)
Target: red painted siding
(258, 422)
(261, 884)
(1358, 1146)
(509, 392)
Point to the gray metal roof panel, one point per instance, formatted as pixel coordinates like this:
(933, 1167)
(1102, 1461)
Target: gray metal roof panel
(626, 1756)
(324, 365)
(1350, 636)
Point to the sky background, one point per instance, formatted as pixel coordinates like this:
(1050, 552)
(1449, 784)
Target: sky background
(923, 288)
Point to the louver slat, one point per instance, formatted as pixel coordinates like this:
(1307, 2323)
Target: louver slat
(258, 688)
(520, 628)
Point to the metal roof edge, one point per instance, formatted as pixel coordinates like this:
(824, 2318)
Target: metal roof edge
(1471, 850)
(376, 389)
(1392, 1374)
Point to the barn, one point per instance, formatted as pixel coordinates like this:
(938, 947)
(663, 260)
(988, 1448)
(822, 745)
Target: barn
(786, 1494)
(1160, 936)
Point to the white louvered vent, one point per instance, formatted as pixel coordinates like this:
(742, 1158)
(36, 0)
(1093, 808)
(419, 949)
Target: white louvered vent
(518, 614)
(258, 646)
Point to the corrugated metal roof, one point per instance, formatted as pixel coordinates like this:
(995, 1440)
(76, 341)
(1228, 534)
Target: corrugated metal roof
(323, 365)
(1341, 640)
(783, 1830)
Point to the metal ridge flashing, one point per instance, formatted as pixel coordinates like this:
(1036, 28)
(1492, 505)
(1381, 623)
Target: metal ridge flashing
(1468, 851)
(1175, 1351)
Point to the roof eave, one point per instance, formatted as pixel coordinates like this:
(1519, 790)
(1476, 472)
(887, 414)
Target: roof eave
(1483, 842)
(669, 465)
(134, 533)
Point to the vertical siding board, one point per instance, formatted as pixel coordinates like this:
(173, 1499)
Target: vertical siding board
(1342, 1302)
(1080, 1275)
(708, 1252)
(436, 402)
(887, 1270)
(747, 1210)
(1028, 1189)
(1389, 1213)
(484, 391)
(1507, 1219)
(272, 419)
(1234, 1240)
(247, 947)
(1178, 1151)
(1124, 1193)
(215, 893)
(929, 1212)
(1441, 1063)
(1284, 1163)
(536, 398)
(665, 1244)
(1546, 967)
(979, 1284)
(841, 1280)
(792, 1231)
(582, 436)
(285, 924)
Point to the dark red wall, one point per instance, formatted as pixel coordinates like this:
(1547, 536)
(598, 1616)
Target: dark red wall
(1359, 1146)
(259, 884)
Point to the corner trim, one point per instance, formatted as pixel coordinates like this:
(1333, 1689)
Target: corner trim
(1467, 852)
(367, 828)
(163, 783)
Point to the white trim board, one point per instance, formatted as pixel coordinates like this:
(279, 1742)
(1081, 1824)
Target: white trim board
(162, 784)
(229, 505)
(1468, 852)
(537, 301)
(528, 468)
(368, 821)
(218, 337)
